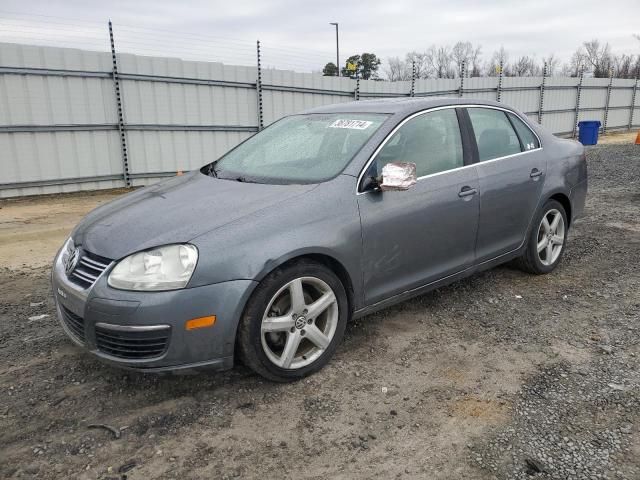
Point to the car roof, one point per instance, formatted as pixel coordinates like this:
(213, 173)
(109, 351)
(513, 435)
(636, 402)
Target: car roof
(402, 105)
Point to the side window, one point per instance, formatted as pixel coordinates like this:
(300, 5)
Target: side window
(432, 141)
(494, 134)
(527, 137)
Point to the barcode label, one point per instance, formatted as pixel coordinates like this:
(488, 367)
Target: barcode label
(353, 124)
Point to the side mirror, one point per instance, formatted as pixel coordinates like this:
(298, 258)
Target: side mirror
(398, 176)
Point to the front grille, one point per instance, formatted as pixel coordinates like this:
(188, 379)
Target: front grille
(132, 344)
(73, 322)
(89, 268)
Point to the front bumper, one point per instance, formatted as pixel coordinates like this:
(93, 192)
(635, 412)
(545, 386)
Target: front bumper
(146, 330)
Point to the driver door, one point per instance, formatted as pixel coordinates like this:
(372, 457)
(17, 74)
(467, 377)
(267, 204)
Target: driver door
(415, 237)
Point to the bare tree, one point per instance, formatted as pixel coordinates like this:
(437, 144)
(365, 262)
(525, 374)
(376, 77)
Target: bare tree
(421, 63)
(626, 66)
(524, 66)
(566, 70)
(576, 64)
(460, 54)
(463, 53)
(552, 62)
(499, 57)
(397, 69)
(593, 57)
(440, 61)
(476, 58)
(598, 57)
(429, 60)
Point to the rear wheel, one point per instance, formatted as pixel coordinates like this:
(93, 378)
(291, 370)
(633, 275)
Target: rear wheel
(547, 239)
(293, 322)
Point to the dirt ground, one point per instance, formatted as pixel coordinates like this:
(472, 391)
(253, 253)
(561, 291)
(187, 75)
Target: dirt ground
(618, 138)
(32, 229)
(502, 375)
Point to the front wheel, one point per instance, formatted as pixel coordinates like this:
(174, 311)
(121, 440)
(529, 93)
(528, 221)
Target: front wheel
(547, 239)
(293, 322)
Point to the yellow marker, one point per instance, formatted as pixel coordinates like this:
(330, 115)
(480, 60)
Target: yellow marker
(201, 322)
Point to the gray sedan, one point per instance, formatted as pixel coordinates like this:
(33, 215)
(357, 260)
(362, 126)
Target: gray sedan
(266, 253)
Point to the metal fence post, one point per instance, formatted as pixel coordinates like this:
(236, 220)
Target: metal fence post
(463, 72)
(606, 105)
(633, 103)
(578, 93)
(413, 79)
(259, 89)
(542, 85)
(499, 92)
(119, 104)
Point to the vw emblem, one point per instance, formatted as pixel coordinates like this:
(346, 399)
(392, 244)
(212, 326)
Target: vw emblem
(301, 322)
(71, 261)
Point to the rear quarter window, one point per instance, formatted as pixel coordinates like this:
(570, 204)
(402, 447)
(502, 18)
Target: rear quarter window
(527, 137)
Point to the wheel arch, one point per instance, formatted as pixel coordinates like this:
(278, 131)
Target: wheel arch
(327, 260)
(557, 195)
(564, 200)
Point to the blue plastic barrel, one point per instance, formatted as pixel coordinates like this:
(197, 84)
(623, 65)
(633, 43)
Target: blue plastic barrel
(588, 132)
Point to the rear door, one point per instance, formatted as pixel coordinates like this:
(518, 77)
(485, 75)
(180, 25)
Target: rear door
(511, 170)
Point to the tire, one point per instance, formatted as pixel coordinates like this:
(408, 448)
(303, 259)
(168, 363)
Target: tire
(283, 310)
(544, 261)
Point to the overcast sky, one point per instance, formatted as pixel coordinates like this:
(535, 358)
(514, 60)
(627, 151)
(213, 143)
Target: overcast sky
(289, 29)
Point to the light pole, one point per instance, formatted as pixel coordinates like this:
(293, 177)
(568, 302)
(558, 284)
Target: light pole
(337, 49)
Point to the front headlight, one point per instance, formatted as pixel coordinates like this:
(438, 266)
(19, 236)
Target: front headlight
(66, 250)
(163, 268)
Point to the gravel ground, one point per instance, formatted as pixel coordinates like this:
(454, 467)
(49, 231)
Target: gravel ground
(503, 375)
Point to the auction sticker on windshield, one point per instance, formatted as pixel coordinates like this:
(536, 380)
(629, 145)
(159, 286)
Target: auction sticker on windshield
(353, 124)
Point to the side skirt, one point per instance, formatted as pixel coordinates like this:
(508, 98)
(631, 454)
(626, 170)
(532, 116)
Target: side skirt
(415, 292)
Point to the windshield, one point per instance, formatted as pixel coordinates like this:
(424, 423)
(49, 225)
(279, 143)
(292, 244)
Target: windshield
(299, 149)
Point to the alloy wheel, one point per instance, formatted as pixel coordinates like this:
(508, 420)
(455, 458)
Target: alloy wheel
(299, 322)
(550, 237)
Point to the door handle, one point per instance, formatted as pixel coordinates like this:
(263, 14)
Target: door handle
(467, 191)
(535, 173)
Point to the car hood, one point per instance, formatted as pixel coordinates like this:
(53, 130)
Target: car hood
(175, 211)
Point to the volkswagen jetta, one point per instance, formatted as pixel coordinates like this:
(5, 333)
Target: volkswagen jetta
(267, 252)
